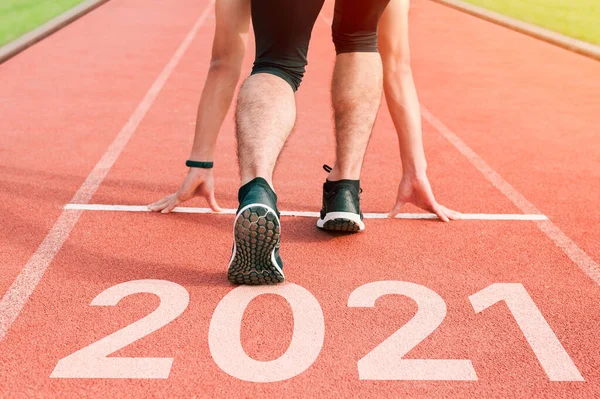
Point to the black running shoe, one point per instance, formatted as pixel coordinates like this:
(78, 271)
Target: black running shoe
(255, 259)
(341, 206)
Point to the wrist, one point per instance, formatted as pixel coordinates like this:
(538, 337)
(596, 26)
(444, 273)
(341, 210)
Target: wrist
(204, 155)
(414, 170)
(199, 172)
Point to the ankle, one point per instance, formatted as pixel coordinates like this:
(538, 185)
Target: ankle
(337, 174)
(249, 177)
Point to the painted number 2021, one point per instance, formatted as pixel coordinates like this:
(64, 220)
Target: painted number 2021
(384, 362)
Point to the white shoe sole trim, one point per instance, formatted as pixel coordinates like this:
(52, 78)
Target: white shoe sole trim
(354, 217)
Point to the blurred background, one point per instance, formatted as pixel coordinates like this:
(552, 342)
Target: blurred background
(579, 19)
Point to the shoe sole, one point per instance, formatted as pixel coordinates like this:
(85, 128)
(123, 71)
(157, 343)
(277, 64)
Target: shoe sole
(341, 221)
(256, 232)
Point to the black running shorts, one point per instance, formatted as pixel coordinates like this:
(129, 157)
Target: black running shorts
(282, 29)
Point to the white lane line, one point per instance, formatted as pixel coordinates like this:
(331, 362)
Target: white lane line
(21, 289)
(576, 254)
(143, 208)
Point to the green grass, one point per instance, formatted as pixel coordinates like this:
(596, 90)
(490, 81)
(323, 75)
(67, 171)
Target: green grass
(576, 18)
(18, 17)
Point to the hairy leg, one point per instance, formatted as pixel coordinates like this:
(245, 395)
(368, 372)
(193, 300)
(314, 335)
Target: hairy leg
(266, 109)
(356, 95)
(265, 116)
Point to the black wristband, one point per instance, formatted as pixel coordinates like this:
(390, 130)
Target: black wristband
(201, 165)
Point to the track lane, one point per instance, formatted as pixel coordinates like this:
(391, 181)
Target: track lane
(527, 108)
(455, 260)
(63, 101)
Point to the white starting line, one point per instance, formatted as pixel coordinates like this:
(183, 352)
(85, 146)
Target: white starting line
(465, 216)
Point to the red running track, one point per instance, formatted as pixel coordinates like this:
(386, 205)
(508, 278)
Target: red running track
(527, 109)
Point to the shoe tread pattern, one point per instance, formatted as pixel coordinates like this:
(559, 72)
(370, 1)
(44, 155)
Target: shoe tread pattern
(256, 236)
(341, 224)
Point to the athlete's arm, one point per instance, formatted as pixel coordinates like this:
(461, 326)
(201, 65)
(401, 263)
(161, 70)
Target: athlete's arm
(229, 46)
(403, 103)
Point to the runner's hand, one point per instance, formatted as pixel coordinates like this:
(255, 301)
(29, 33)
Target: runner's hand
(197, 183)
(416, 190)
